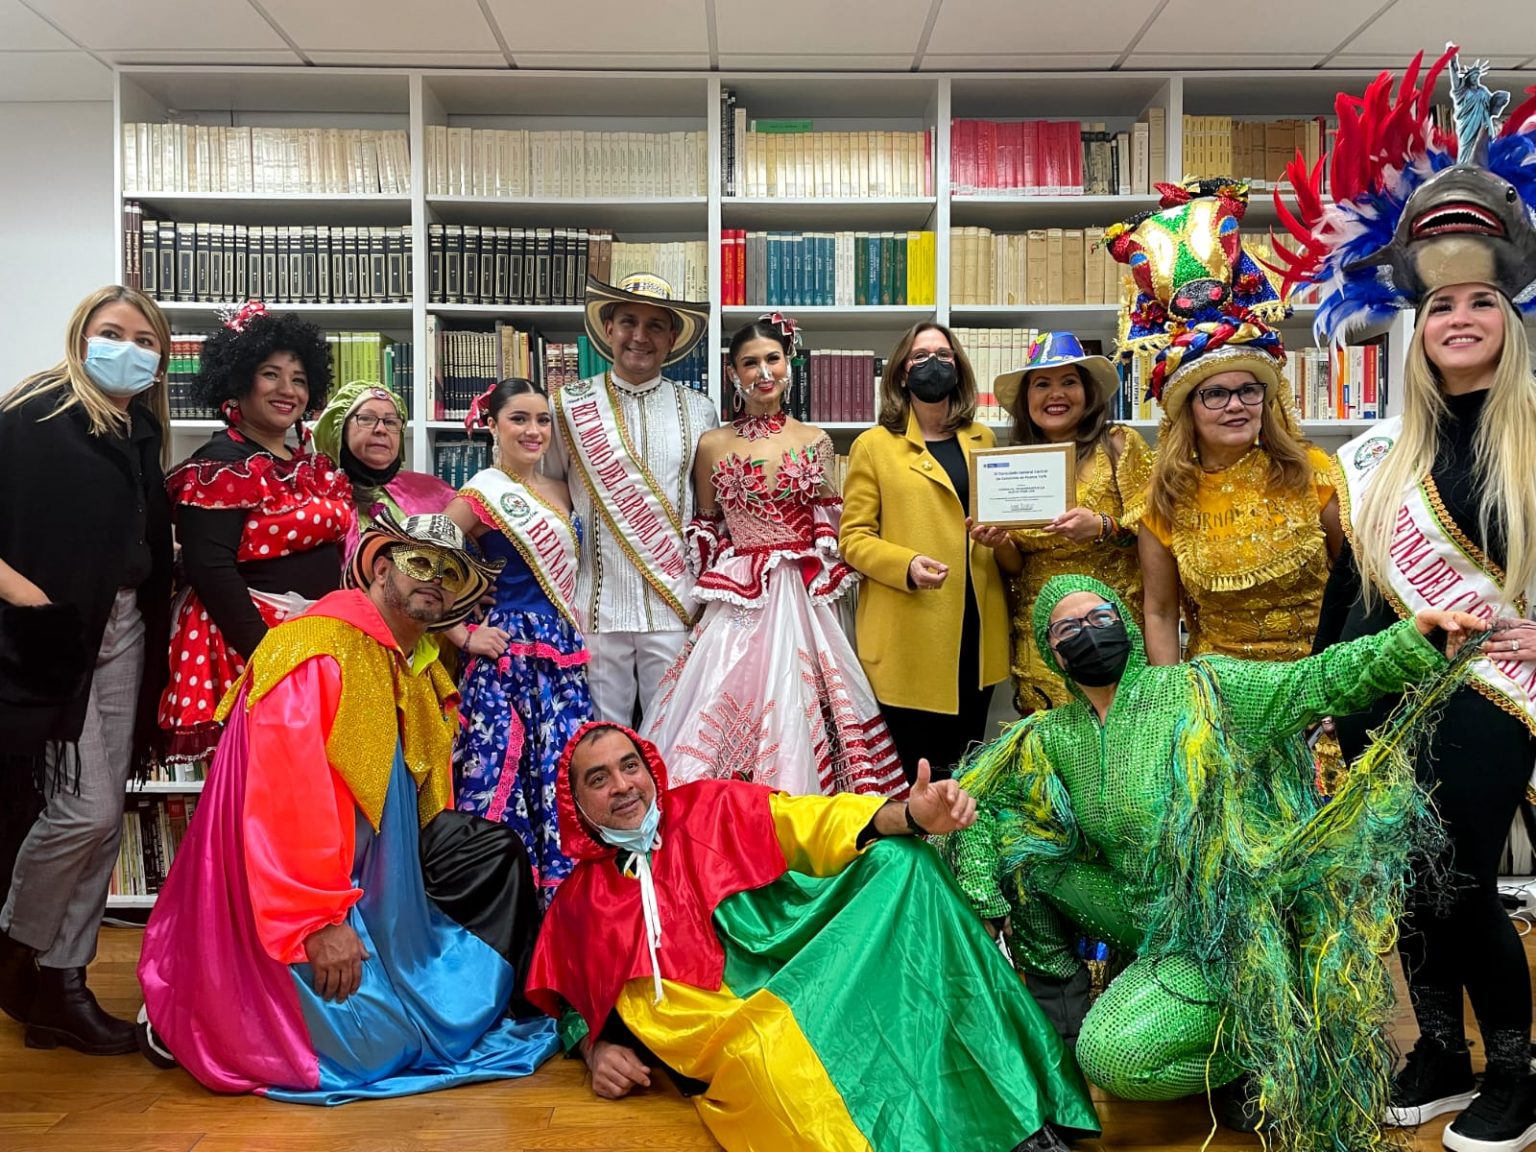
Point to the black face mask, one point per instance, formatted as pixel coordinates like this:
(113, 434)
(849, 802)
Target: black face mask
(362, 475)
(1096, 657)
(932, 380)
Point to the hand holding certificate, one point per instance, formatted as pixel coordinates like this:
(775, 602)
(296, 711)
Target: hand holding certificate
(1027, 486)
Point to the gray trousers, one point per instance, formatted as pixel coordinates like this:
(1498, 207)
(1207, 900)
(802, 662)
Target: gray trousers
(64, 868)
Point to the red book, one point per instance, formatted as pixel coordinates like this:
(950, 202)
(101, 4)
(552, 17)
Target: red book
(1029, 156)
(986, 156)
(1074, 144)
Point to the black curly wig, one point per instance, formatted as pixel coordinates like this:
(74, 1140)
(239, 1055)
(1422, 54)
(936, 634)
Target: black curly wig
(230, 359)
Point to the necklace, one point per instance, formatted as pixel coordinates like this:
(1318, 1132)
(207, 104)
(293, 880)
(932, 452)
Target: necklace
(525, 481)
(759, 427)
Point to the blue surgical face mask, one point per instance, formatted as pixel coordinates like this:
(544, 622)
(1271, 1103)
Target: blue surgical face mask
(637, 840)
(120, 368)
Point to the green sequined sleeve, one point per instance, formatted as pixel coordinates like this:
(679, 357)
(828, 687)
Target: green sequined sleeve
(974, 857)
(1271, 701)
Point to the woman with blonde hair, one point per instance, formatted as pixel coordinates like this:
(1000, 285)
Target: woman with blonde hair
(932, 616)
(85, 579)
(1440, 511)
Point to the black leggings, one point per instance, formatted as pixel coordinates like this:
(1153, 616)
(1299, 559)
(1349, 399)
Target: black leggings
(1477, 765)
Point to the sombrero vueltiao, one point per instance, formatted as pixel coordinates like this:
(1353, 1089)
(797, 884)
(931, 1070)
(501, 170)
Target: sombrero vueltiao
(433, 531)
(1057, 350)
(691, 319)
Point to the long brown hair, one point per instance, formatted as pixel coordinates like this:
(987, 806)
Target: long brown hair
(895, 405)
(74, 386)
(1092, 427)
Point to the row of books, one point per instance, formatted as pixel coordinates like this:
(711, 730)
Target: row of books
(993, 351)
(838, 269)
(278, 263)
(1057, 157)
(153, 829)
(568, 164)
(831, 384)
(456, 457)
(270, 161)
(1347, 383)
(789, 158)
(1041, 266)
(1252, 150)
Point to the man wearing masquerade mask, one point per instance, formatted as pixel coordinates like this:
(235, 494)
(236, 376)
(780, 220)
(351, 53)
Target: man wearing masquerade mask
(811, 971)
(331, 929)
(1170, 810)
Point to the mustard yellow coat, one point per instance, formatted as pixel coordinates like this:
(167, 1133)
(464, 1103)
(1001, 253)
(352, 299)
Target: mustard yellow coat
(898, 503)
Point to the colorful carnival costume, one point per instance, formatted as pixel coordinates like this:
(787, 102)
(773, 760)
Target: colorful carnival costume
(1107, 483)
(320, 811)
(831, 996)
(768, 687)
(1409, 210)
(259, 537)
(518, 712)
(1186, 830)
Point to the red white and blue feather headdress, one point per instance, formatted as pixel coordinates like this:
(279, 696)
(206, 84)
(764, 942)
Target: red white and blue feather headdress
(1409, 208)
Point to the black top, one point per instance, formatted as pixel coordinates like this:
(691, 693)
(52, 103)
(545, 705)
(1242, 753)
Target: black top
(951, 458)
(210, 541)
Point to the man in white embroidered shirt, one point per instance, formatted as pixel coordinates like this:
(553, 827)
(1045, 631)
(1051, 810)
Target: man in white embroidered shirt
(625, 440)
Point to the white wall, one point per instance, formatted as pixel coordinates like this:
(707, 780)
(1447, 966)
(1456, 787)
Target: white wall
(57, 238)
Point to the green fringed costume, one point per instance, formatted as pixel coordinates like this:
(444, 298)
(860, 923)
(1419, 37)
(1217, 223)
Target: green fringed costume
(1187, 830)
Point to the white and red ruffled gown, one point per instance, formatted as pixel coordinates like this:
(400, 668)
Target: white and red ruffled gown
(768, 688)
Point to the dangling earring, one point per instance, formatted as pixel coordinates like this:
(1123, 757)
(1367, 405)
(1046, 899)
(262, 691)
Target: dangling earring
(230, 410)
(738, 401)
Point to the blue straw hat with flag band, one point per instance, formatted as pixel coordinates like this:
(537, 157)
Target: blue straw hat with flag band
(1057, 350)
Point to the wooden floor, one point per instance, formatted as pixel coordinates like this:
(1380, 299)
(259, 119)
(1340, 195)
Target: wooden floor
(63, 1102)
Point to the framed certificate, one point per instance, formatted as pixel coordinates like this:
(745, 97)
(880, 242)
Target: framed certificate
(1024, 486)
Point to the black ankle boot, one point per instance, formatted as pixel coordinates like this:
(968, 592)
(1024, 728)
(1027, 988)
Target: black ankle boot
(18, 978)
(64, 1011)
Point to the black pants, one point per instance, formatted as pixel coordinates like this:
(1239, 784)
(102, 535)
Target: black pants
(1476, 765)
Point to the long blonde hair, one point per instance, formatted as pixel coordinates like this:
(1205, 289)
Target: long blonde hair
(1176, 470)
(74, 385)
(1503, 462)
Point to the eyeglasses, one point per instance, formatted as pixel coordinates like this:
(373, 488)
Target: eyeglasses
(1216, 397)
(1069, 626)
(429, 564)
(369, 421)
(943, 356)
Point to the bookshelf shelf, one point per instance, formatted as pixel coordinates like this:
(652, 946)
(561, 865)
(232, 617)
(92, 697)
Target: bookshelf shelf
(559, 316)
(1014, 213)
(1065, 317)
(341, 316)
(873, 317)
(663, 215)
(180, 424)
(166, 787)
(115, 901)
(822, 213)
(261, 208)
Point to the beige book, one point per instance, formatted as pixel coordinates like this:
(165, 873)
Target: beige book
(1055, 286)
(1157, 146)
(1073, 269)
(1035, 271)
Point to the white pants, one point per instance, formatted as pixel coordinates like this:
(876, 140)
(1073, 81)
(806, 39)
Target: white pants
(626, 667)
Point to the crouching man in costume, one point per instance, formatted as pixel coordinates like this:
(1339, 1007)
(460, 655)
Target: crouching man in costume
(331, 930)
(817, 971)
(1172, 811)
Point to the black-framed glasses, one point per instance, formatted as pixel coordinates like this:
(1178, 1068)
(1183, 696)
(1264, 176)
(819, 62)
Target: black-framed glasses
(368, 421)
(1104, 616)
(1250, 395)
(942, 355)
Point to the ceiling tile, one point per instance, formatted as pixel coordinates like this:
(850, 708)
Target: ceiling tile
(1398, 63)
(658, 61)
(203, 56)
(829, 28)
(423, 59)
(359, 25)
(1482, 29)
(162, 24)
(1158, 61)
(1032, 62)
(572, 28)
(22, 30)
(815, 62)
(1104, 26)
(1309, 26)
(37, 76)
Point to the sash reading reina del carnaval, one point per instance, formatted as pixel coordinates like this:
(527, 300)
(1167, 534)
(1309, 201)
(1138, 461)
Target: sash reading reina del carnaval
(1413, 209)
(625, 493)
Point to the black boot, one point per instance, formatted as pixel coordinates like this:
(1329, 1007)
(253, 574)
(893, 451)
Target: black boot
(1237, 1107)
(65, 1012)
(1045, 1140)
(1435, 1080)
(18, 978)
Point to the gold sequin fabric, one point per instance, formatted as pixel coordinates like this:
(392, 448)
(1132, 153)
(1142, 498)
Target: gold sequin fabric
(376, 682)
(1103, 485)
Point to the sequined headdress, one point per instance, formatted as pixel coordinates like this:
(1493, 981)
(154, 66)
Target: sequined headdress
(1202, 303)
(1410, 208)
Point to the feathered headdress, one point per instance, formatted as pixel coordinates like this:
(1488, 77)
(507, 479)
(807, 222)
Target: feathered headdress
(1202, 304)
(1410, 208)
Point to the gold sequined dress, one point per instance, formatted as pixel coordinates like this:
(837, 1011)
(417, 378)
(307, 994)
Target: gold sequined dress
(1104, 484)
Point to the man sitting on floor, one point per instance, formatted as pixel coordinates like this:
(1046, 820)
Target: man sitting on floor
(331, 929)
(814, 969)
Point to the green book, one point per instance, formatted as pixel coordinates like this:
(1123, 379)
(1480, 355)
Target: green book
(781, 125)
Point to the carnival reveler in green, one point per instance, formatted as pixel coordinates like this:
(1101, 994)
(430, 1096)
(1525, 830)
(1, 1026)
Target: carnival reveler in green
(1172, 811)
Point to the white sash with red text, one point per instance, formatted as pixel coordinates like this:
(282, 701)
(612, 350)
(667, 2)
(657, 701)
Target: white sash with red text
(623, 490)
(543, 535)
(1434, 565)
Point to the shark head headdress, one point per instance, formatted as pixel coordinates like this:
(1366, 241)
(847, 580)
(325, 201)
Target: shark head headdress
(1409, 208)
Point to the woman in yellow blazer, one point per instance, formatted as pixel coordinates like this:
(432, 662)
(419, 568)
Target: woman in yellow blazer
(933, 617)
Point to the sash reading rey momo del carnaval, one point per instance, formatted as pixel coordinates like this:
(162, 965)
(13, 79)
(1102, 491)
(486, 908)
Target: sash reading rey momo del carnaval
(1434, 565)
(542, 534)
(627, 497)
